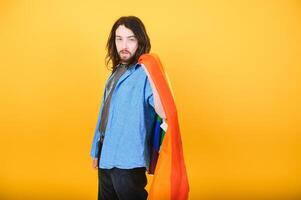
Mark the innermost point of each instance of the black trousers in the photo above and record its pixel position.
(122, 184)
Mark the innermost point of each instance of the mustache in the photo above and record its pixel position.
(124, 51)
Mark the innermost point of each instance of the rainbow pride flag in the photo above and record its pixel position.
(167, 164)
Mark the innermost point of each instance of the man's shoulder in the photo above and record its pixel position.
(140, 70)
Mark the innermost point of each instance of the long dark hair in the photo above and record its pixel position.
(134, 24)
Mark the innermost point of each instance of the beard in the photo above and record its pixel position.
(125, 57)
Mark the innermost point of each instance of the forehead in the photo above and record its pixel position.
(124, 31)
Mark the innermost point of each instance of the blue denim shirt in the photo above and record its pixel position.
(130, 121)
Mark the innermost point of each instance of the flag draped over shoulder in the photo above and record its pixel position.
(167, 164)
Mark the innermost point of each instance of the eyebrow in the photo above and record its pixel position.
(127, 36)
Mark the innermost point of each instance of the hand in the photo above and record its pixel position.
(95, 163)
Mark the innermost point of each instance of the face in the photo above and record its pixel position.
(126, 43)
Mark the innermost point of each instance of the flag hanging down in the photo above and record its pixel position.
(167, 164)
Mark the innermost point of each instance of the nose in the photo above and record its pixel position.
(124, 44)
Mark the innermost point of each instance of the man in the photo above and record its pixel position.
(120, 148)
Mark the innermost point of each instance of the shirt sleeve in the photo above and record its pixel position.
(95, 142)
(149, 97)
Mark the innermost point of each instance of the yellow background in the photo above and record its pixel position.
(235, 71)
